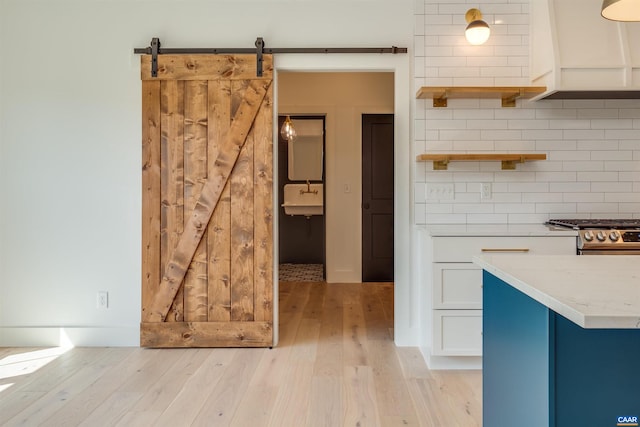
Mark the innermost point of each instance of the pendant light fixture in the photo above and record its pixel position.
(477, 31)
(621, 10)
(287, 130)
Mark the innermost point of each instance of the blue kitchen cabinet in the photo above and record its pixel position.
(540, 369)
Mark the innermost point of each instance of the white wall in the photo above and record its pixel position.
(70, 141)
(343, 97)
(593, 147)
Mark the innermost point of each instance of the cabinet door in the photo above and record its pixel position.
(457, 286)
(457, 333)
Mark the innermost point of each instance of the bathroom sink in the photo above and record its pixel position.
(303, 199)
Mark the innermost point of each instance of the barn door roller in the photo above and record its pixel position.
(154, 50)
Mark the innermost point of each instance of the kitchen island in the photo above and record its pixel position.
(561, 340)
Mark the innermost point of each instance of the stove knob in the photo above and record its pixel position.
(588, 236)
(614, 236)
(601, 236)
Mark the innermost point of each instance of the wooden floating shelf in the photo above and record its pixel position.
(509, 160)
(508, 94)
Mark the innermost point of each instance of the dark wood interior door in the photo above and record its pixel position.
(377, 197)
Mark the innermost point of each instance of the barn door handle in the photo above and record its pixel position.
(365, 205)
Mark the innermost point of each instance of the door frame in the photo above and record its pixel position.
(406, 294)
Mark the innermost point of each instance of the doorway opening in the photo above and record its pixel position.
(301, 223)
(341, 98)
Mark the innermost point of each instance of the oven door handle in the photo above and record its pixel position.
(505, 249)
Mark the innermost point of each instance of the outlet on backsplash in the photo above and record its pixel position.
(485, 190)
(440, 191)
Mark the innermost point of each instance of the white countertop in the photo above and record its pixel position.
(470, 230)
(598, 291)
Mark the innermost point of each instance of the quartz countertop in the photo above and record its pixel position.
(454, 230)
(594, 292)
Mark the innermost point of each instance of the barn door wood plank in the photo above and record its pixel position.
(263, 210)
(219, 229)
(211, 191)
(172, 178)
(195, 174)
(151, 270)
(206, 67)
(241, 181)
(206, 334)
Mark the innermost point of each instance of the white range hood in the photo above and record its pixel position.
(577, 54)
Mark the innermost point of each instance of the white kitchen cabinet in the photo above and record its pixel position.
(452, 286)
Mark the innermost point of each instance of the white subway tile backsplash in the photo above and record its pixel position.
(597, 145)
(460, 135)
(579, 134)
(630, 176)
(569, 155)
(612, 155)
(545, 197)
(613, 187)
(622, 197)
(622, 134)
(570, 187)
(515, 208)
(633, 208)
(439, 208)
(487, 218)
(598, 208)
(583, 197)
(529, 187)
(541, 134)
(475, 208)
(551, 208)
(583, 166)
(599, 176)
(556, 177)
(593, 146)
(555, 113)
(527, 218)
(569, 124)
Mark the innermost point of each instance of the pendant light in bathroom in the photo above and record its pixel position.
(287, 130)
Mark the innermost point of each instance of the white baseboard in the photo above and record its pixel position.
(436, 363)
(78, 336)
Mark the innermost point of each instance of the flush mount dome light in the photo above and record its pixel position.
(287, 131)
(621, 10)
(477, 31)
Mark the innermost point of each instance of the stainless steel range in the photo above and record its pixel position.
(604, 236)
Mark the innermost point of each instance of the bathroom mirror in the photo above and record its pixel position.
(306, 150)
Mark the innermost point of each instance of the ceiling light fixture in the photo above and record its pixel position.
(287, 130)
(621, 10)
(477, 31)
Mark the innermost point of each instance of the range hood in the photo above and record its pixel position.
(577, 54)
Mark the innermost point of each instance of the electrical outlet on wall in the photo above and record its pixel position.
(102, 300)
(485, 190)
(440, 191)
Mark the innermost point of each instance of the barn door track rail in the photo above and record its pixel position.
(154, 50)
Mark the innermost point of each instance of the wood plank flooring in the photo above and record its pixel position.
(335, 365)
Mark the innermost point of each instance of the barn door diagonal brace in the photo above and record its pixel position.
(154, 50)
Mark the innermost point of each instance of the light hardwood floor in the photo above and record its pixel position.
(335, 365)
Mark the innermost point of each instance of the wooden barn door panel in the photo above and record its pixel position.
(207, 202)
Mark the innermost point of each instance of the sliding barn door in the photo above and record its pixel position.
(207, 173)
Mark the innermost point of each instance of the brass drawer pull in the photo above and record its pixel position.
(505, 249)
